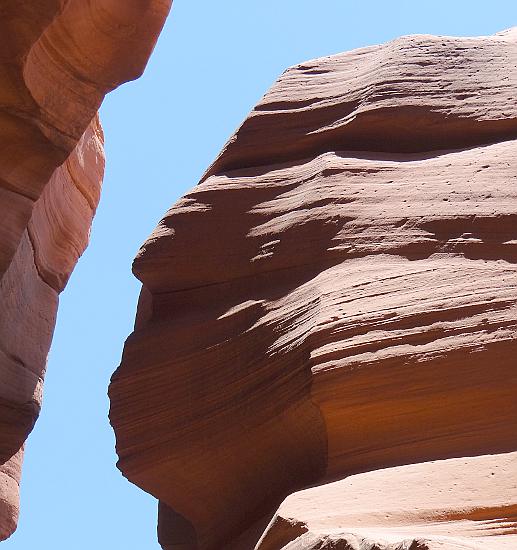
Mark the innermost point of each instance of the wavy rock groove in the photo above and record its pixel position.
(331, 315)
(58, 59)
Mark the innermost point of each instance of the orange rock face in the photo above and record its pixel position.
(335, 306)
(59, 58)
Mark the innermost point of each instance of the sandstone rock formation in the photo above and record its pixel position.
(335, 305)
(58, 60)
(448, 504)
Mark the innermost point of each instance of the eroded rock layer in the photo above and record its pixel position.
(58, 59)
(456, 504)
(338, 296)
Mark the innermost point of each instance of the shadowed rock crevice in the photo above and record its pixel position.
(391, 130)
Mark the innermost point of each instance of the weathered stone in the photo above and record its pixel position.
(338, 296)
(58, 60)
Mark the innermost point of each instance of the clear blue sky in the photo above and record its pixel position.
(214, 60)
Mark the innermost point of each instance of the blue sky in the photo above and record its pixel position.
(214, 60)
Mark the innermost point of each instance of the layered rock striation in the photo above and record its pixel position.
(335, 306)
(58, 60)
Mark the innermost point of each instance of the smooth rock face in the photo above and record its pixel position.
(57, 61)
(335, 305)
(459, 503)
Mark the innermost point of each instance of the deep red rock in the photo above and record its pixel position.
(338, 298)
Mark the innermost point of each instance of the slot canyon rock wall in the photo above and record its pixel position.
(334, 309)
(58, 59)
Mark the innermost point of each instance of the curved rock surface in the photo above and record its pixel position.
(338, 296)
(457, 504)
(58, 60)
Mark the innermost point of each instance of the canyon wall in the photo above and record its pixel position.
(58, 59)
(331, 314)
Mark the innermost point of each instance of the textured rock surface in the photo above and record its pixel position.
(338, 296)
(457, 504)
(58, 60)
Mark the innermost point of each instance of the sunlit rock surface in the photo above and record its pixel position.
(58, 59)
(335, 306)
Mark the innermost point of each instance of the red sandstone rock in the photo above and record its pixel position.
(338, 296)
(58, 60)
(457, 504)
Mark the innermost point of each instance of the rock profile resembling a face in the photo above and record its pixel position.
(334, 306)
